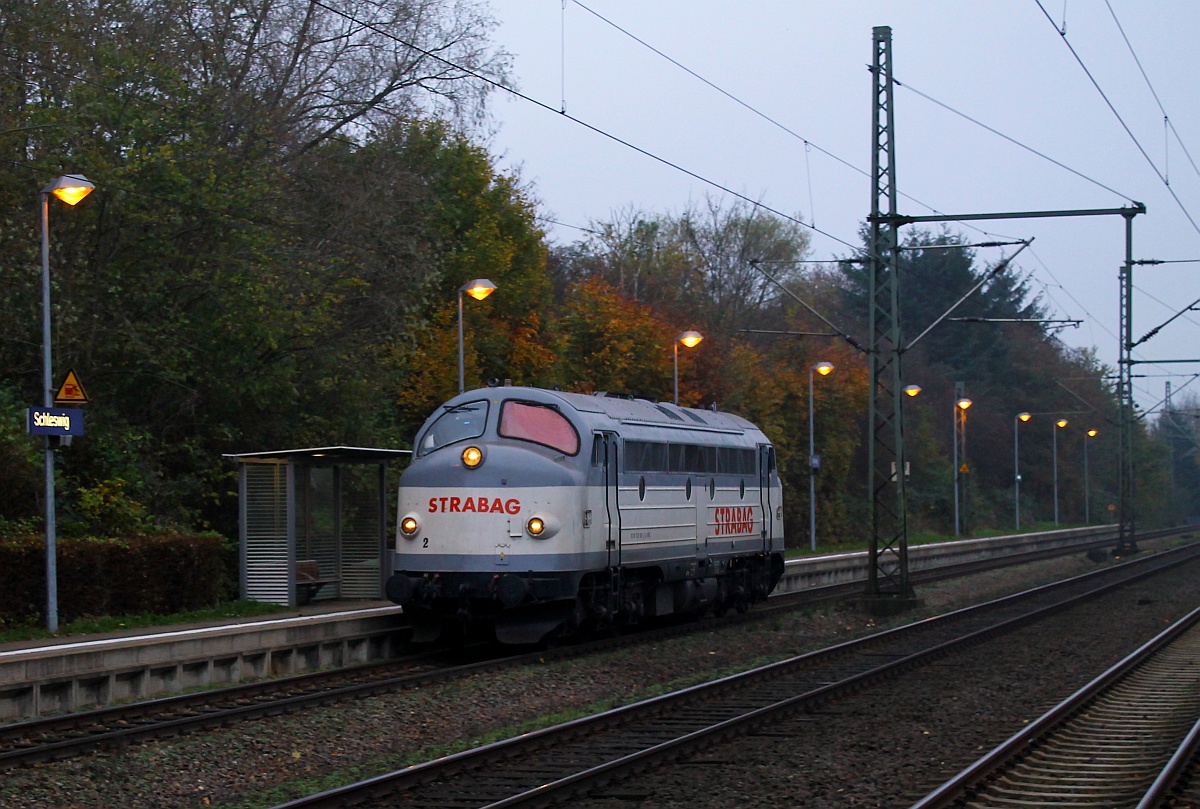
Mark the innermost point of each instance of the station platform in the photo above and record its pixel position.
(45, 676)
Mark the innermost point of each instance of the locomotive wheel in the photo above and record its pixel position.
(721, 608)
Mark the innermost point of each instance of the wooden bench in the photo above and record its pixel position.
(309, 581)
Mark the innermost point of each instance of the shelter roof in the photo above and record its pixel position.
(323, 455)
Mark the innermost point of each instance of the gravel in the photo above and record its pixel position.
(876, 749)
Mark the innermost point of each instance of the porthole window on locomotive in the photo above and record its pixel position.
(742, 490)
(541, 424)
(712, 488)
(687, 489)
(641, 488)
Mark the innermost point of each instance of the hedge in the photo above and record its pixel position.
(159, 574)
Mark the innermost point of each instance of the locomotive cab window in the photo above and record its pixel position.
(540, 424)
(456, 424)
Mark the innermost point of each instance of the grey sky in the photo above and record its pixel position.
(804, 64)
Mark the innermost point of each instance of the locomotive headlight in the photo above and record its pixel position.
(472, 457)
(542, 526)
(408, 526)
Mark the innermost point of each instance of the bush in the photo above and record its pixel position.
(159, 573)
(106, 510)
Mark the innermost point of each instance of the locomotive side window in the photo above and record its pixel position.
(731, 461)
(645, 456)
(700, 460)
(695, 459)
(456, 424)
(540, 424)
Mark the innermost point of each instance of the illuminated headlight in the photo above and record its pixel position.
(543, 526)
(408, 526)
(472, 457)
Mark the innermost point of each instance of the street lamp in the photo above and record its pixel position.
(911, 391)
(960, 435)
(1087, 511)
(70, 188)
(478, 289)
(824, 369)
(691, 339)
(1058, 425)
(1020, 417)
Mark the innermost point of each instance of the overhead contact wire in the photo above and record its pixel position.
(1166, 118)
(807, 143)
(615, 138)
(1012, 140)
(1121, 120)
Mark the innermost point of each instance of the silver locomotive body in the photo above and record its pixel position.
(530, 513)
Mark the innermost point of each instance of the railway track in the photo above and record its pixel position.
(548, 766)
(1124, 740)
(64, 736)
(72, 734)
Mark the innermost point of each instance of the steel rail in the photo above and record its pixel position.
(1172, 774)
(1115, 724)
(559, 760)
(60, 737)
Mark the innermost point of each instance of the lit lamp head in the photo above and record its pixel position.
(1024, 416)
(963, 404)
(691, 339)
(823, 368)
(1060, 423)
(479, 289)
(70, 188)
(1093, 433)
(912, 391)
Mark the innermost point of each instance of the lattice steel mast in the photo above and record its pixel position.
(888, 559)
(1126, 541)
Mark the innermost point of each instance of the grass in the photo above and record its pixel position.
(114, 623)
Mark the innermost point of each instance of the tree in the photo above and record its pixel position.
(704, 265)
(730, 246)
(1178, 431)
(235, 283)
(611, 343)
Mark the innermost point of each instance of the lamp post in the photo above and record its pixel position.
(478, 289)
(70, 189)
(824, 369)
(1087, 510)
(1020, 417)
(1058, 425)
(691, 339)
(960, 435)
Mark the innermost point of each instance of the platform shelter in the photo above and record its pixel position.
(313, 523)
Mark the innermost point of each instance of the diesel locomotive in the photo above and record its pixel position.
(530, 514)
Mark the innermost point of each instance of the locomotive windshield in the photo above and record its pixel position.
(456, 424)
(540, 424)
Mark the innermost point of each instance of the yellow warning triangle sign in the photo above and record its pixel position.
(964, 470)
(71, 391)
